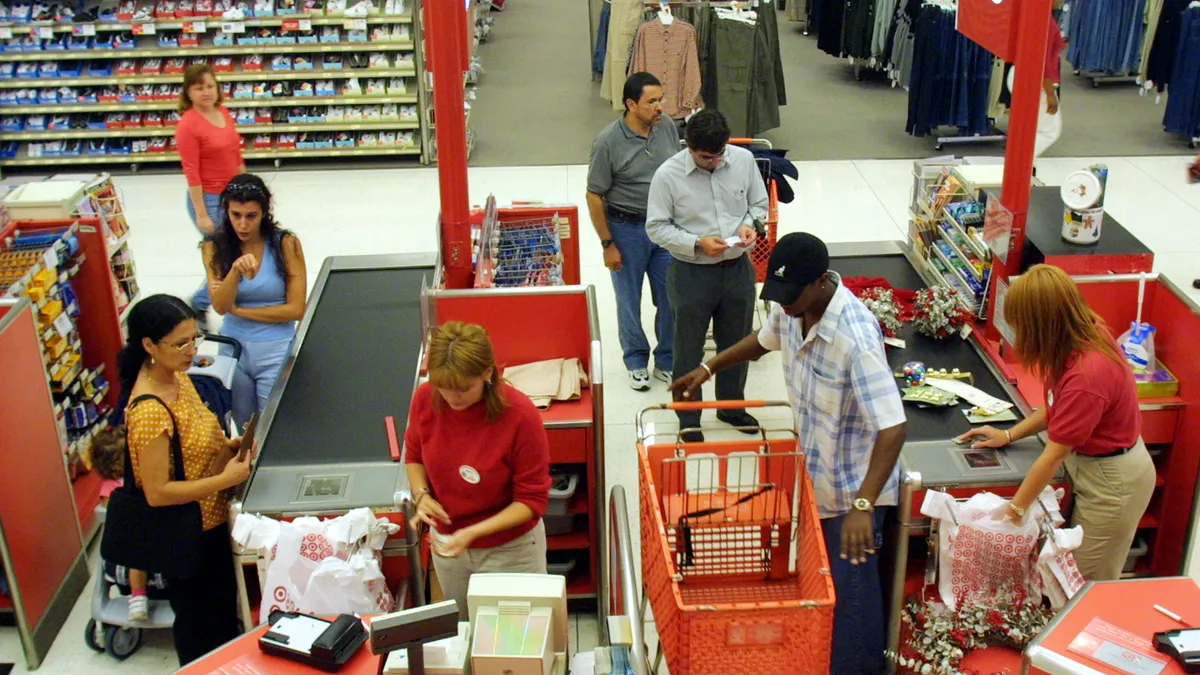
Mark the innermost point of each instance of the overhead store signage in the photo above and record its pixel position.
(991, 24)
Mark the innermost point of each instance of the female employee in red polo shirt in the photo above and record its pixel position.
(478, 464)
(1091, 413)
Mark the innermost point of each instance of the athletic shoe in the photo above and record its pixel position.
(639, 380)
(139, 608)
(662, 375)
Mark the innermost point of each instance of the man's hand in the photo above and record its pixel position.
(458, 542)
(687, 385)
(712, 246)
(1051, 103)
(612, 257)
(858, 536)
(748, 235)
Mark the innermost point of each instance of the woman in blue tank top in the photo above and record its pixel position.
(257, 280)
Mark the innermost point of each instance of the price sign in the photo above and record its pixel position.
(194, 27)
(355, 24)
(143, 29)
(231, 27)
(84, 29)
(63, 325)
(50, 257)
(43, 32)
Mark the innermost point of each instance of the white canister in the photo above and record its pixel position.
(1082, 226)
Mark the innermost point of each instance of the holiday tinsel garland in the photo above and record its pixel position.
(936, 312)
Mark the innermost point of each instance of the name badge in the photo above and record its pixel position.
(469, 474)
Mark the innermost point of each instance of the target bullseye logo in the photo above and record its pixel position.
(280, 593)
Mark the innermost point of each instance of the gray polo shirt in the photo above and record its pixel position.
(687, 202)
(623, 162)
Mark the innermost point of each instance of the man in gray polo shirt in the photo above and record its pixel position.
(624, 158)
(702, 208)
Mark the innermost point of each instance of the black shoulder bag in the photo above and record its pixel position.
(155, 539)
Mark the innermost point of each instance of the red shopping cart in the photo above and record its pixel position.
(733, 561)
(761, 253)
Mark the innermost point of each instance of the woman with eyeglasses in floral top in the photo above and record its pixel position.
(257, 280)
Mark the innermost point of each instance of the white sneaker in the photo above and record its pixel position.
(639, 380)
(663, 375)
(139, 608)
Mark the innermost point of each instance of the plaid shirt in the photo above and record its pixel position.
(842, 393)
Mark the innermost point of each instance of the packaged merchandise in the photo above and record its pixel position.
(303, 89)
(335, 113)
(281, 62)
(387, 139)
(262, 116)
(158, 144)
(372, 113)
(390, 112)
(151, 67)
(332, 62)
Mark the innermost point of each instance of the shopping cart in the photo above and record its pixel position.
(760, 255)
(733, 560)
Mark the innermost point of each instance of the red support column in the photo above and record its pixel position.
(1030, 64)
(445, 56)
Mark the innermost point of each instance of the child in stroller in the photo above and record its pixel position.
(108, 459)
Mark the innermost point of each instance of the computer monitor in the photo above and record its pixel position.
(539, 590)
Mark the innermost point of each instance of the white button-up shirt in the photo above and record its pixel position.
(842, 393)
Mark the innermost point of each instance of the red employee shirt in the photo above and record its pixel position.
(211, 156)
(477, 468)
(1093, 408)
(1054, 53)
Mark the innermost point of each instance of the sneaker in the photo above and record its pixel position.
(662, 375)
(639, 380)
(139, 608)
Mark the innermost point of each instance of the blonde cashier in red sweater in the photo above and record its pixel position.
(478, 464)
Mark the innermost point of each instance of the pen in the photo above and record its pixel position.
(1171, 615)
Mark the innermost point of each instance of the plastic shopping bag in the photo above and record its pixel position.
(1056, 565)
(981, 555)
(321, 567)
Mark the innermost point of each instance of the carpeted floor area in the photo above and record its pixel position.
(537, 104)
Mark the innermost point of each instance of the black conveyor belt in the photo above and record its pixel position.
(925, 424)
(356, 366)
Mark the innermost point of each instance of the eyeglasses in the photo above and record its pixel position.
(185, 345)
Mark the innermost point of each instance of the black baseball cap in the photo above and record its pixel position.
(797, 260)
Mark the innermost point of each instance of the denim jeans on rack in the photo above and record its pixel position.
(1182, 115)
(601, 49)
(641, 258)
(859, 636)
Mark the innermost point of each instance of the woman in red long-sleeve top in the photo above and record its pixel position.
(210, 150)
(478, 464)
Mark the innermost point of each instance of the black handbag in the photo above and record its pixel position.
(155, 539)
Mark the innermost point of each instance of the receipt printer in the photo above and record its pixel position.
(1184, 645)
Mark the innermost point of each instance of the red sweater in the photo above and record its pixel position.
(477, 468)
(211, 156)
(1094, 405)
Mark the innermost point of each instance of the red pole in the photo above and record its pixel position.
(445, 55)
(1030, 65)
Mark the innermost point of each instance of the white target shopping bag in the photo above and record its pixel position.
(1056, 565)
(321, 567)
(979, 554)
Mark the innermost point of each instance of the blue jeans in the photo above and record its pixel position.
(212, 203)
(858, 624)
(256, 373)
(641, 257)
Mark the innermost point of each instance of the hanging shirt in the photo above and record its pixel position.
(1054, 48)
(668, 52)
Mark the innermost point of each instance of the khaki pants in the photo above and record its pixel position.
(1111, 494)
(525, 554)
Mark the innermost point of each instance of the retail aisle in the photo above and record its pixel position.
(537, 69)
(351, 212)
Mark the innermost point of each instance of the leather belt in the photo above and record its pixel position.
(623, 213)
(734, 262)
(1115, 453)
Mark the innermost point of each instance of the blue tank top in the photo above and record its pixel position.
(267, 289)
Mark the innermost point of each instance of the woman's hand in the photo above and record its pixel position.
(989, 437)
(1006, 512)
(430, 512)
(238, 469)
(246, 266)
(205, 223)
(458, 543)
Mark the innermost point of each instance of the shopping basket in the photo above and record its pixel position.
(733, 560)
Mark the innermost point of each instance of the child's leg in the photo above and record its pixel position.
(139, 603)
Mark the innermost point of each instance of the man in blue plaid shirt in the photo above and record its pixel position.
(850, 420)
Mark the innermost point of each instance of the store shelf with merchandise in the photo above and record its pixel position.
(321, 84)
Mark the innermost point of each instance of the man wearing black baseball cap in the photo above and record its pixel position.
(850, 421)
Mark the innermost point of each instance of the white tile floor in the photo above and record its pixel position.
(372, 211)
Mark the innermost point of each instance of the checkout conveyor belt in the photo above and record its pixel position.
(323, 442)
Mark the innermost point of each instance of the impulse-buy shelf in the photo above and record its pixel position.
(143, 132)
(275, 101)
(177, 24)
(238, 76)
(146, 157)
(188, 52)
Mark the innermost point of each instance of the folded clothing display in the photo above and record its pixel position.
(547, 381)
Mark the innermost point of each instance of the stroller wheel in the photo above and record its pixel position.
(92, 637)
(120, 642)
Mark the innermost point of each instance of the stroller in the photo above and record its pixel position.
(109, 629)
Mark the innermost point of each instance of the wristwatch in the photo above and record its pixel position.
(605, 243)
(1020, 512)
(863, 504)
